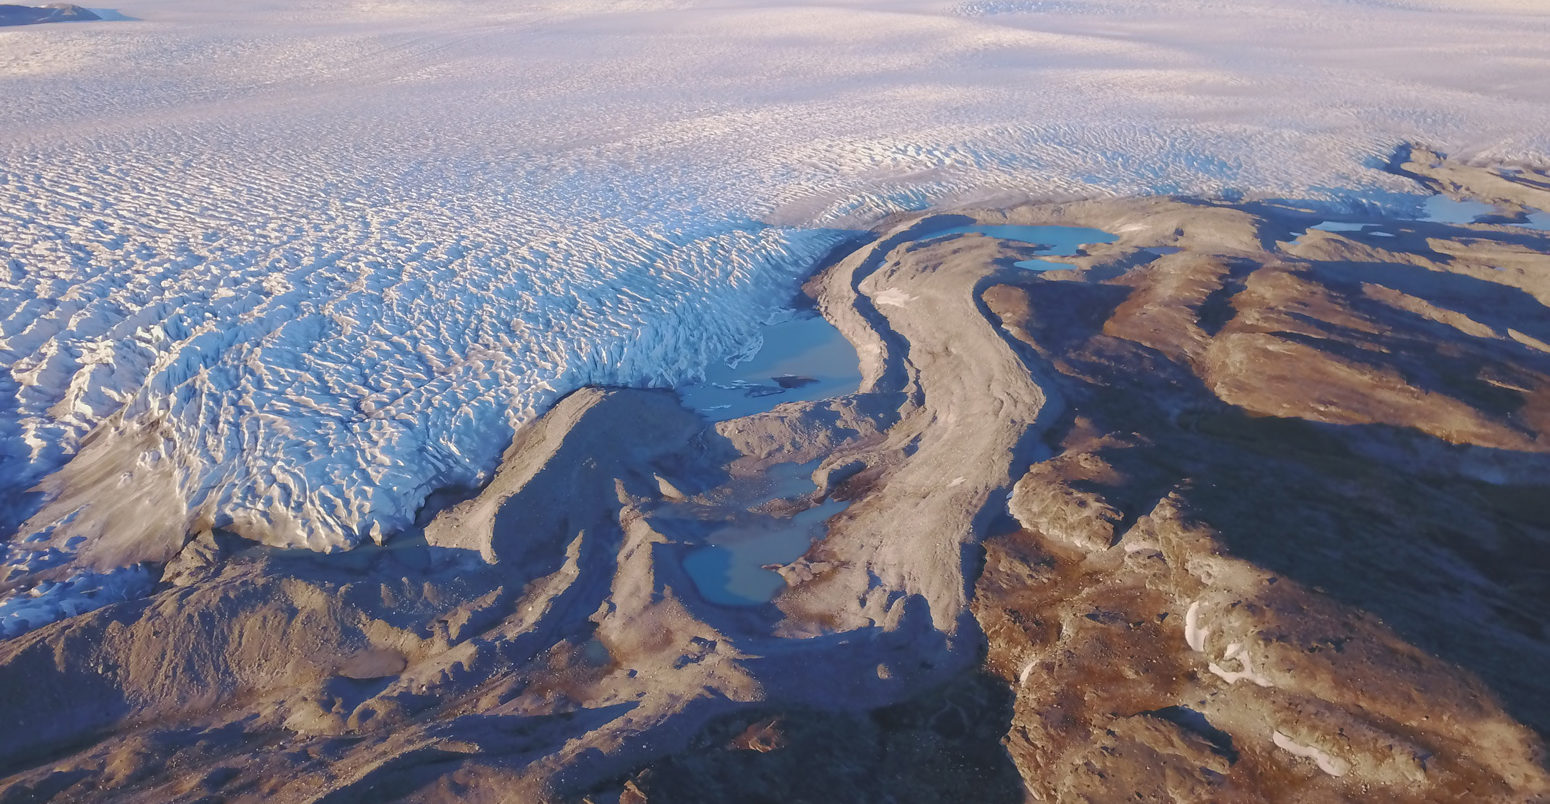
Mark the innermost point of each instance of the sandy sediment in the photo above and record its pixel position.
(1232, 509)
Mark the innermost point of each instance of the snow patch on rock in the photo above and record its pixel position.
(1194, 634)
(1330, 764)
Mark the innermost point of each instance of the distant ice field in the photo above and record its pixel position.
(289, 266)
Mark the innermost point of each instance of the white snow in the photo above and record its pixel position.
(292, 264)
(1194, 634)
(1332, 765)
(1238, 653)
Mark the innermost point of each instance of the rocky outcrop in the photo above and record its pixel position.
(1285, 550)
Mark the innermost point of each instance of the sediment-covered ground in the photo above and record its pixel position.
(1236, 508)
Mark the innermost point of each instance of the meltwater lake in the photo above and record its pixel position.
(803, 359)
(1054, 241)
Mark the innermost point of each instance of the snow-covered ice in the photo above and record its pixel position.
(287, 266)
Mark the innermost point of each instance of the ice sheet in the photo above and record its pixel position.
(287, 266)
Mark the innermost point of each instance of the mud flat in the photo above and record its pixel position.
(1232, 507)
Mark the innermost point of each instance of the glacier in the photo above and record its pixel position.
(287, 267)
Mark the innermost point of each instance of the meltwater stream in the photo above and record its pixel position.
(805, 358)
(798, 359)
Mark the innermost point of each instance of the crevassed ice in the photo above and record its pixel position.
(48, 601)
(303, 393)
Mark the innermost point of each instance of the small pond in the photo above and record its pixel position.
(729, 569)
(1055, 241)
